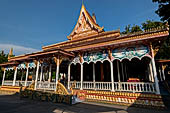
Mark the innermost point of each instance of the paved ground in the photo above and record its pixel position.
(13, 104)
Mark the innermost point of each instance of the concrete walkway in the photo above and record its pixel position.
(13, 104)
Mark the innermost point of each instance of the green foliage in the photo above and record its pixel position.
(164, 51)
(145, 26)
(164, 9)
(164, 12)
(135, 28)
(129, 29)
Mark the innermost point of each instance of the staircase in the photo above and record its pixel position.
(9, 89)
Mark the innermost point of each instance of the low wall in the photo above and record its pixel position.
(46, 96)
(121, 98)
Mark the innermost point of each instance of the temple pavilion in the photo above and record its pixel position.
(92, 59)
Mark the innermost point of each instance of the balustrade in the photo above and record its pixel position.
(8, 83)
(118, 86)
(135, 87)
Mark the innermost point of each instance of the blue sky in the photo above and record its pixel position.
(27, 25)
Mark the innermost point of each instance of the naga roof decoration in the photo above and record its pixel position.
(85, 25)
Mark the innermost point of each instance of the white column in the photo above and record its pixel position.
(15, 75)
(81, 87)
(163, 73)
(36, 76)
(155, 76)
(3, 77)
(49, 79)
(26, 78)
(69, 66)
(112, 78)
(41, 74)
(151, 71)
(94, 74)
(160, 73)
(57, 72)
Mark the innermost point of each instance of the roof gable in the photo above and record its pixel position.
(85, 25)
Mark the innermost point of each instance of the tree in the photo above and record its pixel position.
(3, 58)
(164, 12)
(135, 28)
(152, 24)
(127, 30)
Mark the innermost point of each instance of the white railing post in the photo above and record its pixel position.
(112, 77)
(36, 78)
(26, 78)
(81, 87)
(94, 74)
(15, 75)
(3, 77)
(69, 66)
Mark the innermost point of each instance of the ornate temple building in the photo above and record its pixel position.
(94, 62)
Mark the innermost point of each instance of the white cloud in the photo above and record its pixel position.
(17, 49)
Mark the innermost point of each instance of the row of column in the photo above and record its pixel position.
(153, 76)
(37, 73)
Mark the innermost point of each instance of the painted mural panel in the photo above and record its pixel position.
(95, 56)
(130, 52)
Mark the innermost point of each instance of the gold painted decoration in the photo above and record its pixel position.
(61, 89)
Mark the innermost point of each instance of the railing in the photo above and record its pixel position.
(46, 85)
(76, 84)
(135, 87)
(88, 85)
(8, 82)
(28, 83)
(103, 85)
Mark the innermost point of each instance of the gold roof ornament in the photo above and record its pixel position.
(85, 24)
(10, 53)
